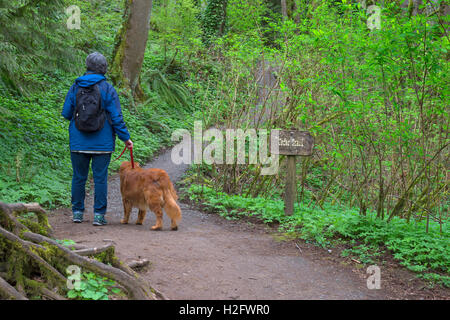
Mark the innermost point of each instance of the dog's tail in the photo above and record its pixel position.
(170, 203)
(173, 191)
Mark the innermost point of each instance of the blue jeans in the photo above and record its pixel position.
(80, 165)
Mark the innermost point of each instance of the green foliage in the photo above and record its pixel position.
(214, 19)
(34, 137)
(365, 253)
(26, 44)
(176, 26)
(34, 39)
(434, 278)
(65, 242)
(375, 101)
(172, 92)
(174, 45)
(94, 287)
(100, 22)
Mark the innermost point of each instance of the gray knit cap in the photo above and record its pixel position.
(96, 62)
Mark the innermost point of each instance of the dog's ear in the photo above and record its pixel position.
(125, 165)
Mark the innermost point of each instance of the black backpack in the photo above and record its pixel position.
(89, 115)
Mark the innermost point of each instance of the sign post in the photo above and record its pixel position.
(293, 143)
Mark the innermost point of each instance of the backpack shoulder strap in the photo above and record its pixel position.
(75, 93)
(96, 88)
(108, 116)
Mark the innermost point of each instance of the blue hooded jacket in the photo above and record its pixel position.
(104, 139)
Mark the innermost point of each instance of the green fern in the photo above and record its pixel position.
(172, 92)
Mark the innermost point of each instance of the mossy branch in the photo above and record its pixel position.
(94, 251)
(9, 292)
(31, 257)
(136, 288)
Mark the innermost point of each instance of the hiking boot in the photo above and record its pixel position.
(77, 217)
(99, 220)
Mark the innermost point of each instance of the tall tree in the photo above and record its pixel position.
(130, 46)
(284, 9)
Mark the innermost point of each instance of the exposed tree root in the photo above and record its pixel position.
(132, 284)
(93, 251)
(33, 265)
(137, 264)
(8, 221)
(52, 295)
(8, 291)
(76, 247)
(30, 249)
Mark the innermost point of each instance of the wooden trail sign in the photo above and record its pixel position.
(293, 143)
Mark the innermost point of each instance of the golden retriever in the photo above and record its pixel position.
(148, 189)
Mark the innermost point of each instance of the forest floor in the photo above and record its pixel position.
(210, 257)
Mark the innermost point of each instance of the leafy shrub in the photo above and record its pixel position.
(93, 287)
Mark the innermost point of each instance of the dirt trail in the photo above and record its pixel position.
(213, 258)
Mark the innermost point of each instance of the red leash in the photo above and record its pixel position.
(131, 155)
(132, 159)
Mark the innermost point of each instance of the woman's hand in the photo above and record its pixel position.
(129, 144)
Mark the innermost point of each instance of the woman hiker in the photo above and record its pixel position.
(93, 108)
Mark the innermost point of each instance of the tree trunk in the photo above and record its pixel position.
(130, 45)
(295, 12)
(284, 9)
